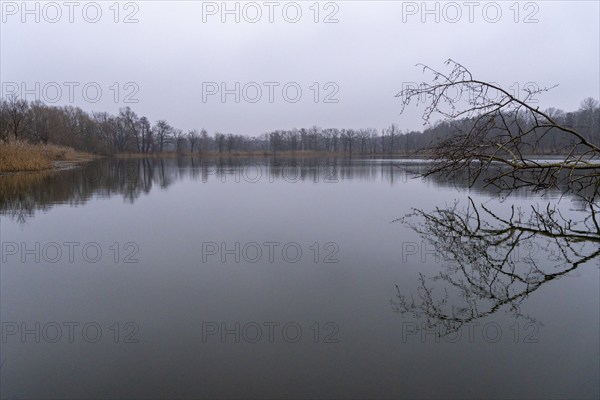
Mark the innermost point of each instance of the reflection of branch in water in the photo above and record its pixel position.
(484, 269)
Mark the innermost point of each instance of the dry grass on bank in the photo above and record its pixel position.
(22, 156)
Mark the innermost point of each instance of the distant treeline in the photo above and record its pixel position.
(104, 133)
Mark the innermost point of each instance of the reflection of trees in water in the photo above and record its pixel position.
(300, 169)
(22, 194)
(494, 260)
(494, 136)
(15, 198)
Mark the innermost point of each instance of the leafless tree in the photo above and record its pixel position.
(178, 139)
(193, 139)
(162, 132)
(204, 141)
(14, 112)
(313, 133)
(220, 139)
(498, 131)
(482, 249)
(132, 124)
(348, 135)
(146, 134)
(589, 108)
(392, 132)
(38, 122)
(230, 141)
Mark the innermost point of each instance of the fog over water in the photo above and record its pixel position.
(299, 199)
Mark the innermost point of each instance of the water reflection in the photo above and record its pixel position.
(494, 260)
(22, 194)
(172, 292)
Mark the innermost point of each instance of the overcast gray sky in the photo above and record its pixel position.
(180, 52)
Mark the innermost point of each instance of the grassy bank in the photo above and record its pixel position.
(23, 156)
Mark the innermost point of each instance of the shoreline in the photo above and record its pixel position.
(36, 158)
(57, 166)
(22, 157)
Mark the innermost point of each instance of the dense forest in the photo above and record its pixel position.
(104, 133)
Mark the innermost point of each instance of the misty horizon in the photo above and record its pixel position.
(167, 61)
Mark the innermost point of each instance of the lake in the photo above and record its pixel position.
(287, 277)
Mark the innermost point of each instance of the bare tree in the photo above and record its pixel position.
(193, 139)
(204, 141)
(107, 129)
(364, 136)
(349, 135)
(392, 132)
(590, 108)
(220, 139)
(313, 135)
(498, 131)
(15, 111)
(495, 132)
(178, 139)
(38, 122)
(132, 125)
(146, 134)
(162, 132)
(230, 142)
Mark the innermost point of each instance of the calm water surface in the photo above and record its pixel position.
(282, 278)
